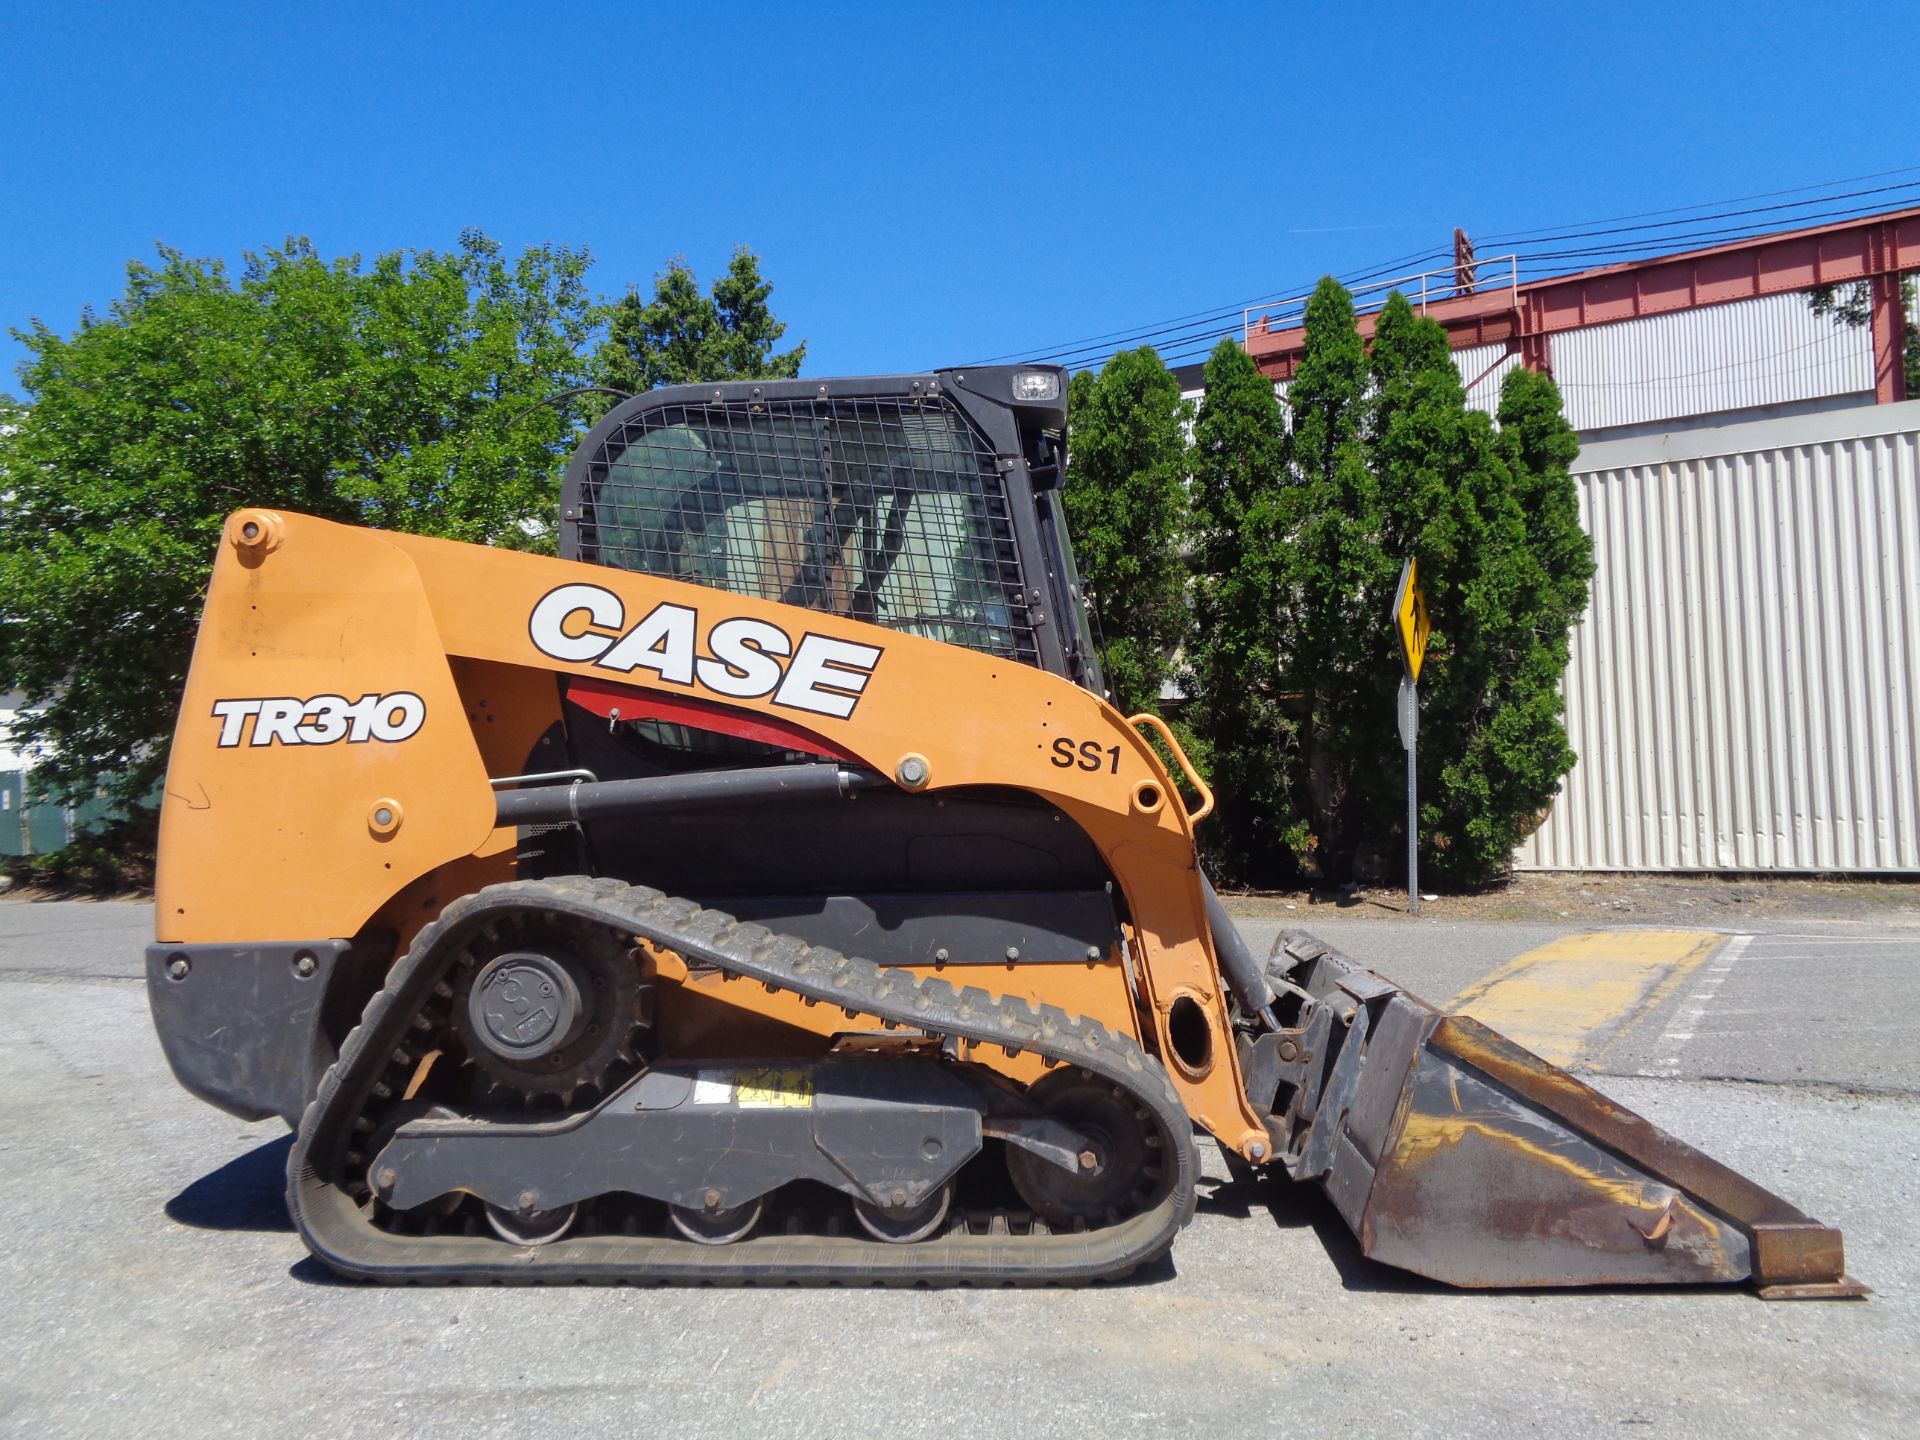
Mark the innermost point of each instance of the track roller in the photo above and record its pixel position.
(902, 1225)
(717, 1227)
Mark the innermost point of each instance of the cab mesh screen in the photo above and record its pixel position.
(889, 511)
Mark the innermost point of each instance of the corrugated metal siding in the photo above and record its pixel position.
(1701, 362)
(1742, 690)
(1487, 364)
(1482, 368)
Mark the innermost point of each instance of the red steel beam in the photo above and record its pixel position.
(1525, 317)
(1889, 315)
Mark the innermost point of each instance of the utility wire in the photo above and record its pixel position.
(1162, 327)
(1182, 337)
(1211, 325)
(1724, 215)
(1702, 205)
(1689, 239)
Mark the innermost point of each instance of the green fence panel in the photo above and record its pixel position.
(13, 796)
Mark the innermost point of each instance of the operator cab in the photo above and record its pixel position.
(928, 504)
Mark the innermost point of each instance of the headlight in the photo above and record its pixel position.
(1036, 385)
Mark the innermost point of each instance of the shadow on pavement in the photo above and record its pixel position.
(309, 1271)
(1295, 1207)
(247, 1193)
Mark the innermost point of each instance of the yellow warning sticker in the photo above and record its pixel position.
(773, 1089)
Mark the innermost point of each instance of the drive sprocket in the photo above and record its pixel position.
(550, 1010)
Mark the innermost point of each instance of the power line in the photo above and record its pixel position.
(1211, 325)
(1702, 205)
(1736, 232)
(1092, 344)
(1186, 336)
(1540, 265)
(1724, 215)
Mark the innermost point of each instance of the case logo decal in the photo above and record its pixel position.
(323, 720)
(742, 658)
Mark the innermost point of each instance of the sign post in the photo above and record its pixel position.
(1410, 620)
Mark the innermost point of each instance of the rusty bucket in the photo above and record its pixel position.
(1454, 1153)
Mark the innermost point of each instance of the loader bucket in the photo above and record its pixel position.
(1452, 1152)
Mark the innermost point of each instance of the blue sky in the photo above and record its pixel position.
(926, 185)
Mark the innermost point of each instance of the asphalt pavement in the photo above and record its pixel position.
(150, 1282)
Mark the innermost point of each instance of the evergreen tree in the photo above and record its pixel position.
(1534, 592)
(1340, 585)
(1540, 448)
(1448, 503)
(1491, 518)
(1125, 501)
(1241, 569)
(681, 337)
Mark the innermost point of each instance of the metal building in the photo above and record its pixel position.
(1743, 689)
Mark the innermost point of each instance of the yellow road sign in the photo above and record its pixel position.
(1410, 617)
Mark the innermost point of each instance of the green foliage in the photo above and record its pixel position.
(1298, 539)
(1125, 501)
(1241, 554)
(1516, 747)
(115, 859)
(422, 392)
(1389, 462)
(681, 337)
(1505, 565)
(401, 394)
(1851, 306)
(1331, 602)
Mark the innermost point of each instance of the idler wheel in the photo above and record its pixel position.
(401, 1114)
(1121, 1169)
(717, 1227)
(904, 1224)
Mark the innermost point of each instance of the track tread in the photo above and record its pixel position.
(337, 1232)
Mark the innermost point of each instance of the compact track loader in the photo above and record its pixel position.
(764, 891)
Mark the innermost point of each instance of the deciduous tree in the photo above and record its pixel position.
(401, 393)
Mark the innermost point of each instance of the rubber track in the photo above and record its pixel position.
(339, 1233)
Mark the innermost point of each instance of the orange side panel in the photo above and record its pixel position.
(279, 840)
(276, 835)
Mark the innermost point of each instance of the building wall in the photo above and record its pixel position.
(22, 822)
(1742, 690)
(1752, 359)
(30, 823)
(1703, 362)
(1694, 367)
(11, 756)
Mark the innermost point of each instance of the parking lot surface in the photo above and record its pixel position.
(151, 1284)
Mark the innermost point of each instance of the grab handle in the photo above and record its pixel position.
(1186, 765)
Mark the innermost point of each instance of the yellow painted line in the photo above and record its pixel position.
(1569, 1000)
